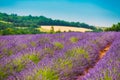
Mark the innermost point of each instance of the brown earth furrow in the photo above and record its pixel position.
(101, 55)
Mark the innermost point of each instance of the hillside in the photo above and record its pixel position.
(36, 21)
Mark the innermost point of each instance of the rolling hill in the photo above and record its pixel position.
(36, 21)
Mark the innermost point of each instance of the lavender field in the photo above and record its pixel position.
(62, 56)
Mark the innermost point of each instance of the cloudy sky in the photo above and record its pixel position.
(93, 12)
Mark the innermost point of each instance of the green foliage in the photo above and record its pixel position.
(10, 69)
(36, 21)
(13, 31)
(5, 25)
(76, 52)
(33, 43)
(106, 76)
(3, 74)
(63, 63)
(10, 52)
(58, 45)
(21, 62)
(48, 51)
(29, 78)
(14, 24)
(44, 40)
(34, 58)
(52, 30)
(31, 57)
(19, 65)
(115, 27)
(69, 31)
(96, 30)
(58, 31)
(7, 51)
(46, 74)
(74, 39)
(8, 31)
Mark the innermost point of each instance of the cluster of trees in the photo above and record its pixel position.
(115, 27)
(13, 31)
(9, 29)
(36, 21)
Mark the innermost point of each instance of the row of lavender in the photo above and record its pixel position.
(108, 68)
(61, 56)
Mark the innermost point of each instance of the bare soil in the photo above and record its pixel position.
(102, 53)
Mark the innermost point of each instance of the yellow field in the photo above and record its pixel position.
(63, 28)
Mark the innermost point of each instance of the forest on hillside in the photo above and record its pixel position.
(11, 24)
(36, 21)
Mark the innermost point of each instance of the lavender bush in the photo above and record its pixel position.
(63, 56)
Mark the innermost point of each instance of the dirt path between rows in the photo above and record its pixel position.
(101, 55)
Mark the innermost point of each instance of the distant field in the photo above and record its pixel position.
(5, 22)
(63, 28)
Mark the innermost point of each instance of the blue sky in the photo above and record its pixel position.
(93, 12)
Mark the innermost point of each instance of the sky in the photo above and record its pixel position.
(103, 13)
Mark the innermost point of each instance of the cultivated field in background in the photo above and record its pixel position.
(63, 28)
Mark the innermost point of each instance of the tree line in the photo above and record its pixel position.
(115, 27)
(36, 21)
(9, 29)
